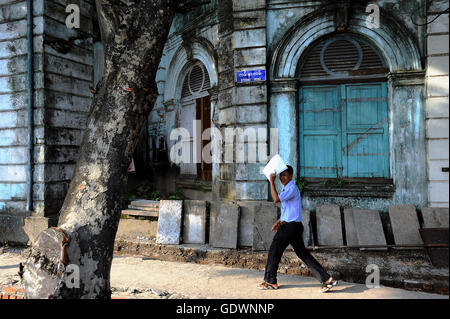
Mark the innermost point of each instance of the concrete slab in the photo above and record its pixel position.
(139, 212)
(214, 208)
(135, 229)
(264, 219)
(225, 229)
(144, 203)
(306, 221)
(329, 229)
(169, 222)
(145, 209)
(369, 229)
(350, 229)
(435, 217)
(405, 225)
(246, 222)
(12, 228)
(194, 221)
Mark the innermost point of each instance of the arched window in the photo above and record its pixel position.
(196, 105)
(196, 82)
(343, 124)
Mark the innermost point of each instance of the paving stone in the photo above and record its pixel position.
(369, 229)
(329, 229)
(435, 217)
(194, 221)
(264, 218)
(224, 221)
(169, 222)
(405, 225)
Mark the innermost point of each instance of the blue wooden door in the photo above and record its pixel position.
(344, 131)
(320, 131)
(365, 130)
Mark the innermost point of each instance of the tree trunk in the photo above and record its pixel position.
(133, 37)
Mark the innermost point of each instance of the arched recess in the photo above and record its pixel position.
(405, 97)
(198, 49)
(192, 54)
(392, 39)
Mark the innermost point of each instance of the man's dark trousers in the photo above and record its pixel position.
(291, 233)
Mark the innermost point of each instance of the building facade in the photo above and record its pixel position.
(358, 94)
(352, 94)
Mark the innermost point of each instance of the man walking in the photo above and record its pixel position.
(289, 230)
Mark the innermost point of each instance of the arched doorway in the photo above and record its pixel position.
(343, 116)
(397, 50)
(195, 108)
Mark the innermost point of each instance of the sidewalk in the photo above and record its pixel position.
(137, 277)
(216, 281)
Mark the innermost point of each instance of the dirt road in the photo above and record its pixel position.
(136, 277)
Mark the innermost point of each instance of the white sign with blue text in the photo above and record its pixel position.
(250, 76)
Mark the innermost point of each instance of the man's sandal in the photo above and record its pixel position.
(267, 286)
(327, 286)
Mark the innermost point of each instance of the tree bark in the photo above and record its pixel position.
(133, 36)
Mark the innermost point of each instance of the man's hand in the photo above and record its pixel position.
(272, 177)
(273, 191)
(276, 225)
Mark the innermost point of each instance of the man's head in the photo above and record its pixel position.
(286, 175)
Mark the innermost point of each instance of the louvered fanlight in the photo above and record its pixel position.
(341, 56)
(196, 81)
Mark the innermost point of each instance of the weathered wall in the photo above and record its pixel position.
(245, 36)
(242, 105)
(189, 33)
(282, 15)
(291, 27)
(68, 73)
(437, 105)
(235, 31)
(13, 105)
(63, 62)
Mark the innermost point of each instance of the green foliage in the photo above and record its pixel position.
(155, 195)
(176, 195)
(326, 182)
(130, 197)
(301, 182)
